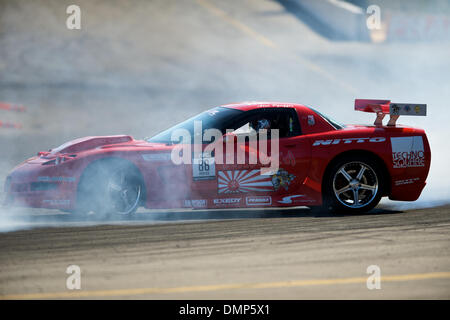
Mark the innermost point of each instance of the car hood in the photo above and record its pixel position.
(87, 143)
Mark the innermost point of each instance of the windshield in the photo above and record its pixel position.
(216, 118)
(334, 123)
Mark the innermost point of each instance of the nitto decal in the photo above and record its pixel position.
(258, 200)
(227, 201)
(243, 181)
(290, 199)
(347, 141)
(408, 152)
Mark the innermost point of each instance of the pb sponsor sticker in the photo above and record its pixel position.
(408, 152)
(258, 201)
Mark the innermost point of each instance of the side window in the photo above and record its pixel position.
(283, 119)
(287, 122)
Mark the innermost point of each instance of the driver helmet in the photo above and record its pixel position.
(263, 124)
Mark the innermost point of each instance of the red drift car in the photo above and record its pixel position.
(346, 168)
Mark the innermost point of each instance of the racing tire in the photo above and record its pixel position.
(354, 184)
(110, 187)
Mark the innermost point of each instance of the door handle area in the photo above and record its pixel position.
(290, 146)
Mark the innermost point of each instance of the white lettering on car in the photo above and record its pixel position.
(227, 200)
(290, 199)
(408, 152)
(347, 141)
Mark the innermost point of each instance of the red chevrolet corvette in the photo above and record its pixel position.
(319, 162)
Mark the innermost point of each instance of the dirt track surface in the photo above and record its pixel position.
(280, 254)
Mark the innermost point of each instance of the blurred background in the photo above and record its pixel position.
(138, 67)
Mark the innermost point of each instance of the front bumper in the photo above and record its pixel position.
(32, 184)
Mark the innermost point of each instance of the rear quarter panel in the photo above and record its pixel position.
(405, 182)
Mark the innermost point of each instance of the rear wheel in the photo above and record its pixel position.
(110, 187)
(354, 184)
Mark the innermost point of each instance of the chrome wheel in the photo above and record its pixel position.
(123, 192)
(355, 184)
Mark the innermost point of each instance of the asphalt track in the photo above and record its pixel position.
(271, 254)
(137, 69)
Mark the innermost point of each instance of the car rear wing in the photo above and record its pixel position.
(395, 110)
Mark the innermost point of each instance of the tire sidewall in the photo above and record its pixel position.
(330, 200)
(92, 190)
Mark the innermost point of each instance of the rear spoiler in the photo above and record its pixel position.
(395, 110)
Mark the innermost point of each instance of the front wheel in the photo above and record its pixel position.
(110, 187)
(353, 185)
(122, 193)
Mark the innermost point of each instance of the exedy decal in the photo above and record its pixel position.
(347, 141)
(227, 201)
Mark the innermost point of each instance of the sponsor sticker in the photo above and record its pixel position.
(198, 203)
(282, 179)
(156, 156)
(291, 199)
(204, 168)
(227, 201)
(56, 202)
(347, 141)
(408, 152)
(402, 109)
(55, 179)
(195, 203)
(239, 181)
(258, 200)
(406, 181)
